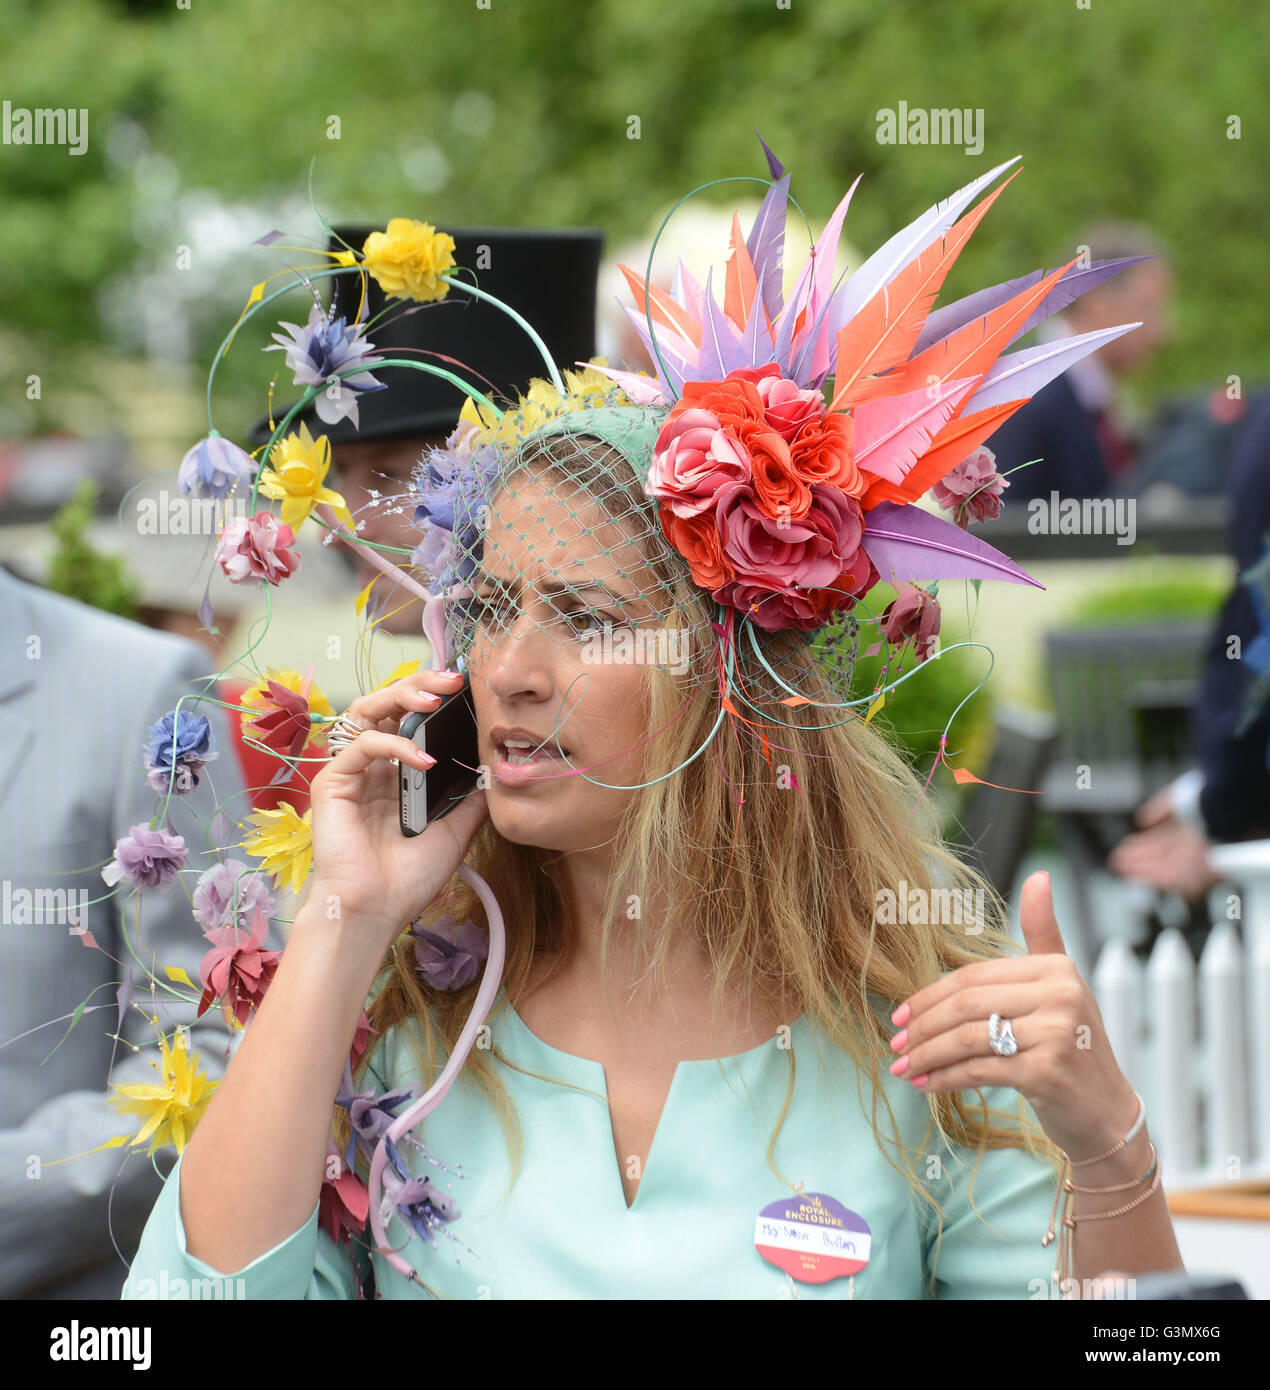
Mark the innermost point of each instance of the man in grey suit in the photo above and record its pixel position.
(79, 690)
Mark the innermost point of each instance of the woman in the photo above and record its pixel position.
(710, 1037)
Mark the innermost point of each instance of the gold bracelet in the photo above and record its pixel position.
(1070, 1186)
(1065, 1188)
(1069, 1225)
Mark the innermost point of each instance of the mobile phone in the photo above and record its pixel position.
(447, 733)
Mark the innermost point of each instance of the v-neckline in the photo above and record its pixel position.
(584, 1071)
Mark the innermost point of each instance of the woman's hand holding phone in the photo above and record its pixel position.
(363, 866)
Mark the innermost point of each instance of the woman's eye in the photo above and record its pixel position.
(590, 620)
(487, 608)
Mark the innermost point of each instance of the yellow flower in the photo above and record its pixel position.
(296, 472)
(172, 1107)
(284, 841)
(541, 403)
(407, 259)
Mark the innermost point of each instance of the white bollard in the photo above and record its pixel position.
(1227, 1130)
(1171, 1008)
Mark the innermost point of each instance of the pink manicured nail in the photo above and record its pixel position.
(899, 1066)
(900, 1016)
(919, 1080)
(898, 1041)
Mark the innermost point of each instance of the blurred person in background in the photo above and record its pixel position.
(548, 276)
(1227, 795)
(1074, 428)
(80, 691)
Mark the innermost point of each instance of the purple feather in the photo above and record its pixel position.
(909, 544)
(756, 332)
(722, 348)
(676, 364)
(1076, 282)
(1020, 375)
(789, 317)
(766, 245)
(774, 164)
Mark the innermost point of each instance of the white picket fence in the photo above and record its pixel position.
(1195, 1042)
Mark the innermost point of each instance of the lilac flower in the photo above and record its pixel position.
(422, 1205)
(215, 466)
(453, 487)
(323, 347)
(371, 1115)
(230, 894)
(180, 740)
(433, 553)
(148, 858)
(448, 956)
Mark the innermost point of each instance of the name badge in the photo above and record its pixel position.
(812, 1237)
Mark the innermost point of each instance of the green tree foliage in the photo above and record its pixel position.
(518, 114)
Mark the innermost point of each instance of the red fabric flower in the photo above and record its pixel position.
(283, 722)
(915, 614)
(238, 969)
(344, 1202)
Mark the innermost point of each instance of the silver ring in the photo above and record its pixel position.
(1001, 1037)
(341, 733)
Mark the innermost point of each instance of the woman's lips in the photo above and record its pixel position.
(542, 763)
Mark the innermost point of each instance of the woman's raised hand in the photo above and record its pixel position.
(365, 871)
(1064, 1064)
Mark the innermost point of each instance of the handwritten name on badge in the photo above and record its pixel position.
(812, 1237)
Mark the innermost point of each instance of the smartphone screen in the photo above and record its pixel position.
(448, 734)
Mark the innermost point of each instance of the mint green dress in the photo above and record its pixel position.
(564, 1229)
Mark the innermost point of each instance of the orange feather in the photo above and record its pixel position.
(741, 280)
(972, 350)
(664, 309)
(957, 440)
(882, 334)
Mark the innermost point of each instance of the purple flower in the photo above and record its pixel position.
(215, 466)
(452, 488)
(448, 956)
(230, 894)
(422, 1204)
(371, 1115)
(176, 749)
(148, 858)
(433, 553)
(323, 347)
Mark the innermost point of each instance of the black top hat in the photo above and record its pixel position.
(548, 277)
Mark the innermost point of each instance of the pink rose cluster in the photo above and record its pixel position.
(759, 492)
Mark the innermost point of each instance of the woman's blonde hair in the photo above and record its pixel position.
(800, 925)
